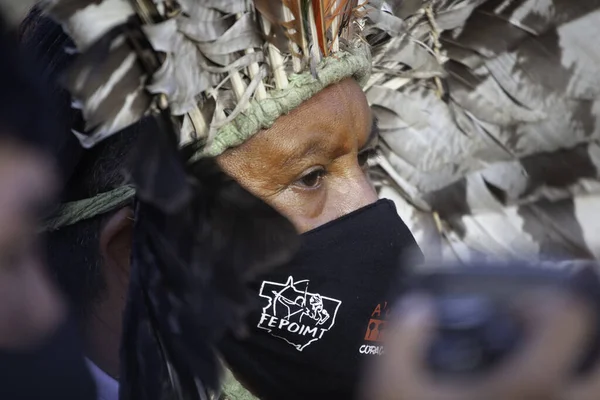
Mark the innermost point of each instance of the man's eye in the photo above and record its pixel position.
(365, 155)
(312, 179)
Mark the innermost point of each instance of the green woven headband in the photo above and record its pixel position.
(354, 62)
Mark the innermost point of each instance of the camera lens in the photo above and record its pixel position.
(455, 354)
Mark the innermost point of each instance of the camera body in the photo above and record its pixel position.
(477, 324)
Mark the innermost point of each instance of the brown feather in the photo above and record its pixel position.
(341, 14)
(333, 14)
(350, 7)
(296, 25)
(319, 13)
(295, 6)
(272, 11)
(283, 27)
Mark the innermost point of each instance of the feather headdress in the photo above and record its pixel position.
(489, 111)
(228, 68)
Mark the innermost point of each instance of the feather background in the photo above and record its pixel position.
(489, 117)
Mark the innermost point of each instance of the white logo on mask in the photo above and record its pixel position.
(294, 314)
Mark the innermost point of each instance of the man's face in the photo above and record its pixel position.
(310, 164)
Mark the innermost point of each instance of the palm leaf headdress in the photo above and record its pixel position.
(229, 68)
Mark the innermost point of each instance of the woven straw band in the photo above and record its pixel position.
(354, 62)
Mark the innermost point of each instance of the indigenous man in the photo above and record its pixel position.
(296, 131)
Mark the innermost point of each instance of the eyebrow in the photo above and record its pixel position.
(315, 146)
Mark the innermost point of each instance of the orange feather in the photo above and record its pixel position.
(319, 13)
(296, 24)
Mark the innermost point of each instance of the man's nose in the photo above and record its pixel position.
(358, 192)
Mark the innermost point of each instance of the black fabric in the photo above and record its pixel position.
(351, 263)
(54, 370)
(188, 284)
(26, 111)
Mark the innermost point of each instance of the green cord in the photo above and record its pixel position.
(75, 211)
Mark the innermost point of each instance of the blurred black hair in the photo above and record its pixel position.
(25, 112)
(73, 251)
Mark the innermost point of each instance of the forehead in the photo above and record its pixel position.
(333, 122)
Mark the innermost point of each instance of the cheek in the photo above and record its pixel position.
(304, 209)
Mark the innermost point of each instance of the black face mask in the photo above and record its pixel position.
(323, 315)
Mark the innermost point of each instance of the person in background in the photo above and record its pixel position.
(40, 354)
(558, 328)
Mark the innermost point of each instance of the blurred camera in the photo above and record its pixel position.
(477, 324)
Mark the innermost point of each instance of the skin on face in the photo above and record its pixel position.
(310, 166)
(30, 306)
